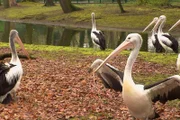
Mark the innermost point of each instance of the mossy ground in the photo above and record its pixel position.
(107, 15)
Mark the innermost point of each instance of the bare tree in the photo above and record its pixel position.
(6, 3)
(120, 6)
(67, 6)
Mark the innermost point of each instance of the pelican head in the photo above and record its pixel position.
(154, 21)
(176, 24)
(92, 14)
(162, 18)
(161, 21)
(132, 41)
(14, 37)
(95, 65)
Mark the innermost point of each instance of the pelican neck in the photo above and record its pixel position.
(14, 56)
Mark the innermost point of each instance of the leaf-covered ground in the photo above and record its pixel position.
(57, 86)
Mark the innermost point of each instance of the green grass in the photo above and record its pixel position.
(136, 17)
(28, 10)
(163, 59)
(168, 58)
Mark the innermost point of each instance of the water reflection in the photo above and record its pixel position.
(60, 36)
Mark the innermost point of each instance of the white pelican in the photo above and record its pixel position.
(178, 62)
(110, 76)
(97, 36)
(176, 24)
(139, 98)
(11, 73)
(153, 37)
(167, 41)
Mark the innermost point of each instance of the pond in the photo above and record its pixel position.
(61, 36)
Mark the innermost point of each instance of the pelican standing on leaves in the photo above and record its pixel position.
(97, 36)
(110, 76)
(139, 98)
(167, 41)
(11, 73)
(154, 37)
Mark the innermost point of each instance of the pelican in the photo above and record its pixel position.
(110, 76)
(178, 62)
(176, 24)
(139, 98)
(97, 36)
(153, 37)
(11, 73)
(167, 41)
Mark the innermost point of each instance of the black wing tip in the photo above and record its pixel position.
(156, 115)
(154, 84)
(102, 48)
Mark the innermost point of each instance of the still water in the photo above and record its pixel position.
(62, 36)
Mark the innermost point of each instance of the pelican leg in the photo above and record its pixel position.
(7, 100)
(13, 93)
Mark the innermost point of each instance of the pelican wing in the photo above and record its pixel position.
(4, 68)
(113, 81)
(119, 73)
(168, 89)
(173, 41)
(5, 86)
(102, 41)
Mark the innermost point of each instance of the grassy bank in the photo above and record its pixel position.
(107, 15)
(149, 61)
(157, 58)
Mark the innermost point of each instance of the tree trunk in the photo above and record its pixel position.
(6, 3)
(89, 38)
(67, 37)
(122, 38)
(120, 6)
(67, 7)
(5, 35)
(49, 35)
(145, 42)
(81, 40)
(49, 3)
(29, 32)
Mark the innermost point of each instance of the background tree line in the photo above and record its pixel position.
(67, 6)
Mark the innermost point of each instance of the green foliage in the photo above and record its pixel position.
(137, 17)
(154, 2)
(142, 2)
(169, 58)
(159, 2)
